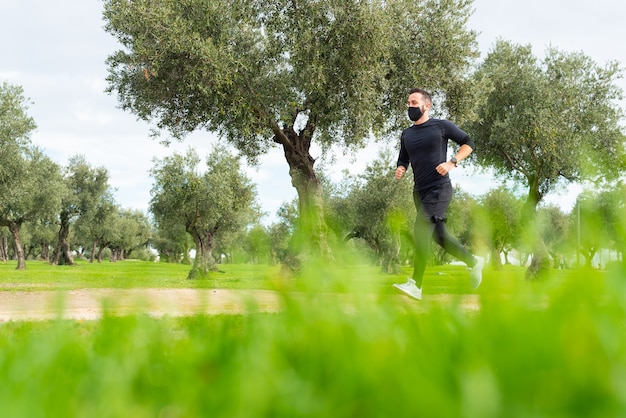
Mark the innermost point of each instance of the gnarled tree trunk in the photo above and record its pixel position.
(62, 254)
(540, 263)
(14, 227)
(100, 251)
(204, 261)
(310, 238)
(92, 255)
(4, 249)
(496, 261)
(45, 251)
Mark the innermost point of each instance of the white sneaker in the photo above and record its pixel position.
(476, 275)
(410, 289)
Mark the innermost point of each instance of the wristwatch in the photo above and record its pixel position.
(454, 161)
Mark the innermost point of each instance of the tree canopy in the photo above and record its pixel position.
(545, 121)
(15, 130)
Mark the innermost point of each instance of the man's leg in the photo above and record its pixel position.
(423, 235)
(452, 245)
(448, 242)
(438, 202)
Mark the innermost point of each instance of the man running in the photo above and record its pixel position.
(424, 145)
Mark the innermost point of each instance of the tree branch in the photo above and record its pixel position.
(280, 136)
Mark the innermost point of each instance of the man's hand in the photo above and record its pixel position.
(445, 168)
(399, 172)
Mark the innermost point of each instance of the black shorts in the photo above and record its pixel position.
(432, 203)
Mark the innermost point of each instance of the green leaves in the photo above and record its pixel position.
(15, 129)
(29, 181)
(15, 124)
(541, 121)
(246, 68)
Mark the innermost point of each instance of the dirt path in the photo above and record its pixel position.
(90, 304)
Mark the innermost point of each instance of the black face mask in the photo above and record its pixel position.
(415, 113)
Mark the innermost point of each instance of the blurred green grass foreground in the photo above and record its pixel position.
(521, 349)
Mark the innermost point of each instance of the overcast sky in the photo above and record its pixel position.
(56, 50)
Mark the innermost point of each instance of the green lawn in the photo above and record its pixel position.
(353, 278)
(555, 348)
(127, 274)
(131, 274)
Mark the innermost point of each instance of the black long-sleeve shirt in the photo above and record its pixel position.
(425, 146)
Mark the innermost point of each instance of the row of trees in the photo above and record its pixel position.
(289, 74)
(213, 207)
(71, 210)
(48, 198)
(373, 215)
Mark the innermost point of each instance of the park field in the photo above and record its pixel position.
(338, 343)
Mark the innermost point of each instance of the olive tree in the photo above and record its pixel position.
(34, 195)
(172, 244)
(590, 229)
(612, 210)
(132, 232)
(15, 129)
(378, 210)
(30, 182)
(554, 226)
(205, 204)
(95, 229)
(286, 73)
(43, 234)
(84, 188)
(545, 123)
(502, 210)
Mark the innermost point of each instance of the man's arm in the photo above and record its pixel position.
(403, 161)
(463, 152)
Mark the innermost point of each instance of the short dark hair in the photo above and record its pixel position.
(423, 92)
